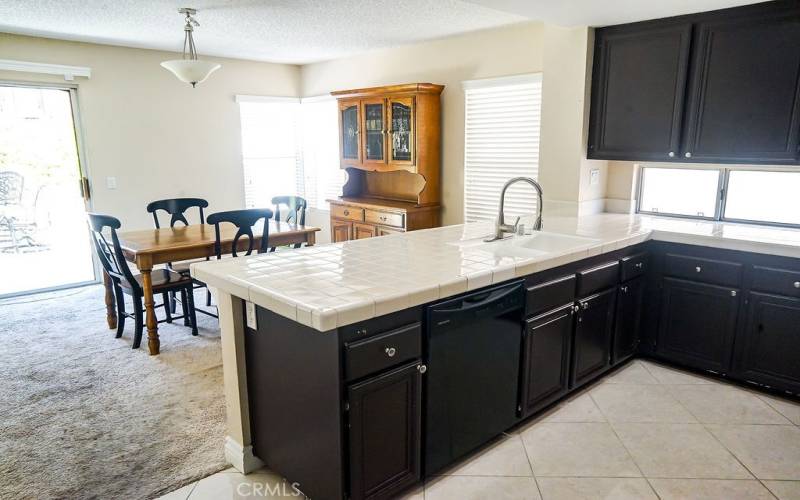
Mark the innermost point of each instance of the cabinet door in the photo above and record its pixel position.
(628, 319)
(341, 230)
(374, 128)
(744, 95)
(697, 324)
(361, 231)
(767, 353)
(350, 132)
(384, 433)
(593, 329)
(546, 357)
(401, 130)
(638, 85)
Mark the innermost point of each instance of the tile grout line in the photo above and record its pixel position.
(530, 464)
(766, 401)
(647, 480)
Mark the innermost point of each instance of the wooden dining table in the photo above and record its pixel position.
(151, 247)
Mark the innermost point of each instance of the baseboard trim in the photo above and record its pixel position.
(241, 457)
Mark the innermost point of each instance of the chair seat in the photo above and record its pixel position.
(183, 266)
(161, 279)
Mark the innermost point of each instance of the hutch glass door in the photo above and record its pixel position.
(348, 116)
(374, 131)
(401, 123)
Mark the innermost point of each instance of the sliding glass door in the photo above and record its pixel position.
(43, 236)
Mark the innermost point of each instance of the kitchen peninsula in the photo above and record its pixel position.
(326, 349)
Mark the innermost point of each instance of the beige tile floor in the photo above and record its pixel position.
(644, 432)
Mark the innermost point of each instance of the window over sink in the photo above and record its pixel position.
(290, 146)
(735, 194)
(501, 141)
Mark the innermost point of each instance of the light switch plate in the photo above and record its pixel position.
(111, 182)
(594, 176)
(250, 312)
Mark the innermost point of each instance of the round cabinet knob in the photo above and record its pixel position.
(624, 289)
(422, 368)
(390, 351)
(672, 154)
(639, 265)
(797, 284)
(688, 155)
(698, 269)
(347, 212)
(733, 293)
(585, 305)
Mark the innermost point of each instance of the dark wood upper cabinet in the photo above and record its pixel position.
(717, 87)
(771, 336)
(385, 420)
(638, 88)
(744, 95)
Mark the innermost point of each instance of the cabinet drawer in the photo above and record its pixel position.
(633, 266)
(382, 351)
(384, 218)
(777, 281)
(717, 272)
(346, 212)
(550, 295)
(598, 278)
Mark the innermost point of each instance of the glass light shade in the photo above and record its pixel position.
(191, 71)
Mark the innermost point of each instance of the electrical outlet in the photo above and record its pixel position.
(250, 311)
(594, 176)
(111, 182)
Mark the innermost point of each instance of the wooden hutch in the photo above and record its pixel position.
(390, 147)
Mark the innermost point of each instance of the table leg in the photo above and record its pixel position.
(111, 312)
(311, 239)
(150, 314)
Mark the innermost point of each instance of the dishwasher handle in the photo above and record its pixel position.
(478, 305)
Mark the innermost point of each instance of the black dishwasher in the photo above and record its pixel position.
(474, 344)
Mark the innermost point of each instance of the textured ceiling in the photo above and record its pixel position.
(290, 31)
(605, 12)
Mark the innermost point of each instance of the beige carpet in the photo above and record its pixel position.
(82, 415)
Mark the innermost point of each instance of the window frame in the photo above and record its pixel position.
(721, 199)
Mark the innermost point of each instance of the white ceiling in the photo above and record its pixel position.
(605, 12)
(289, 31)
(303, 31)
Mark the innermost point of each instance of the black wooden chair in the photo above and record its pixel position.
(125, 282)
(294, 212)
(244, 220)
(176, 208)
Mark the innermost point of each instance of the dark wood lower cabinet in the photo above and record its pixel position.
(697, 324)
(628, 319)
(768, 351)
(546, 351)
(384, 425)
(593, 329)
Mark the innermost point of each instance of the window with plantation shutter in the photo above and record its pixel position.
(501, 141)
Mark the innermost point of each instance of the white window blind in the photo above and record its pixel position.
(502, 121)
(289, 147)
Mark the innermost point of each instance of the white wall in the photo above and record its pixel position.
(562, 54)
(499, 52)
(159, 137)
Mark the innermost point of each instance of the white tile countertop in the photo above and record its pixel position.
(334, 285)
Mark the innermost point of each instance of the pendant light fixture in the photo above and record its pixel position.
(190, 69)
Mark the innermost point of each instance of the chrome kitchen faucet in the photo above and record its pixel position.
(502, 227)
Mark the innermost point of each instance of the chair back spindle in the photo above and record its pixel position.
(295, 209)
(110, 254)
(176, 208)
(244, 220)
